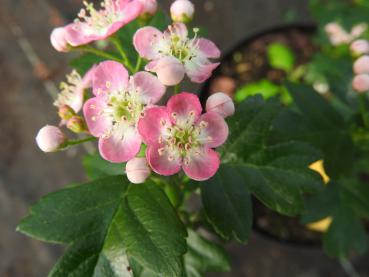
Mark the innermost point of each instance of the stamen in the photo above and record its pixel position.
(163, 122)
(161, 151)
(93, 118)
(108, 84)
(203, 124)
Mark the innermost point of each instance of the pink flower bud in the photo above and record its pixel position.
(58, 40)
(76, 124)
(220, 103)
(149, 7)
(182, 11)
(137, 170)
(361, 65)
(170, 71)
(333, 28)
(358, 30)
(50, 138)
(360, 47)
(361, 83)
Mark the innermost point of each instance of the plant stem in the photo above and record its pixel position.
(363, 110)
(177, 88)
(116, 42)
(349, 268)
(97, 52)
(79, 141)
(138, 64)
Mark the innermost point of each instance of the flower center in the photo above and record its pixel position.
(99, 20)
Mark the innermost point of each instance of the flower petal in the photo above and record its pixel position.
(74, 34)
(184, 108)
(150, 88)
(118, 149)
(109, 76)
(215, 130)
(166, 163)
(144, 41)
(178, 29)
(202, 165)
(97, 123)
(208, 48)
(153, 124)
(199, 70)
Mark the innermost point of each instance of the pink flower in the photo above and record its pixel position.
(179, 136)
(119, 102)
(360, 47)
(361, 65)
(193, 54)
(72, 91)
(92, 24)
(149, 7)
(361, 83)
(220, 103)
(182, 11)
(137, 170)
(50, 138)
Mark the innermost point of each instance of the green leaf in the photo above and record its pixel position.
(160, 21)
(233, 217)
(280, 56)
(204, 256)
(346, 233)
(84, 62)
(96, 167)
(113, 229)
(276, 173)
(151, 231)
(319, 124)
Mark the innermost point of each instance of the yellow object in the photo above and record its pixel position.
(321, 225)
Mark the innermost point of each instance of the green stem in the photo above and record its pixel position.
(138, 64)
(177, 89)
(97, 52)
(79, 141)
(363, 110)
(116, 42)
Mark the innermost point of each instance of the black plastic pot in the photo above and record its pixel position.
(310, 30)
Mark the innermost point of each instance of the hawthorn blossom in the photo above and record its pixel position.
(50, 138)
(220, 103)
(361, 65)
(182, 11)
(360, 47)
(179, 136)
(360, 83)
(119, 102)
(72, 92)
(173, 49)
(338, 35)
(92, 25)
(149, 8)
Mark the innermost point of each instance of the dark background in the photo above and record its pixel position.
(29, 70)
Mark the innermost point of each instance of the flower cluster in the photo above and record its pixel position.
(360, 83)
(125, 110)
(338, 35)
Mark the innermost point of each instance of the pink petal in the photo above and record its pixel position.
(144, 41)
(97, 124)
(118, 149)
(151, 66)
(203, 164)
(58, 39)
(220, 103)
(152, 124)
(215, 130)
(183, 107)
(199, 71)
(109, 76)
(165, 164)
(169, 69)
(208, 48)
(75, 35)
(150, 88)
(178, 29)
(131, 10)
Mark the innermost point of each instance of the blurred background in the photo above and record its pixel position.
(29, 71)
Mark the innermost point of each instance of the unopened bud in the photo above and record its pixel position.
(220, 103)
(360, 47)
(137, 170)
(58, 39)
(76, 124)
(361, 83)
(149, 8)
(361, 66)
(50, 138)
(170, 71)
(182, 11)
(65, 112)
